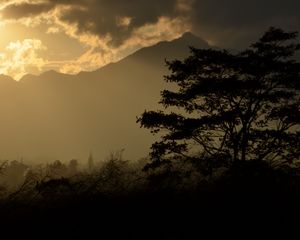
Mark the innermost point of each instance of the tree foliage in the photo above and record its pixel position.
(232, 107)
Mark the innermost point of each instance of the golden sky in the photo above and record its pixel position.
(82, 35)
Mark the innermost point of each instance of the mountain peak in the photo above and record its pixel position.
(188, 35)
(7, 78)
(49, 73)
(28, 77)
(193, 40)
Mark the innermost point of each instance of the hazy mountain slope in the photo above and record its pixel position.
(65, 116)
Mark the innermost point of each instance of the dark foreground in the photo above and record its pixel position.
(155, 216)
(249, 200)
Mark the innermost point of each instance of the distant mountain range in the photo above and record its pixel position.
(60, 116)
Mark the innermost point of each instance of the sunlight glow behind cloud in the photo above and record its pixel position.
(21, 57)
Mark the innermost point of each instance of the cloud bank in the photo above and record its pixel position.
(112, 29)
(219, 20)
(116, 18)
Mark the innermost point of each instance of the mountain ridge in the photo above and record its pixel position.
(186, 39)
(62, 116)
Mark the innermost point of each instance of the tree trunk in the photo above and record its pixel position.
(235, 153)
(244, 144)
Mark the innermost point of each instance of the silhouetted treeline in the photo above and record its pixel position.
(122, 199)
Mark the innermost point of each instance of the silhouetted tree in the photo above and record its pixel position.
(73, 167)
(54, 188)
(14, 173)
(233, 107)
(57, 169)
(91, 164)
(3, 165)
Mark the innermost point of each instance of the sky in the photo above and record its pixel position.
(70, 36)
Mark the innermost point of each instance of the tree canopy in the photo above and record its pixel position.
(231, 107)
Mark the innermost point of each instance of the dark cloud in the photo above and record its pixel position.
(27, 9)
(101, 16)
(17, 11)
(230, 23)
(237, 22)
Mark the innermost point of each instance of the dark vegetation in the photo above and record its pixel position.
(228, 158)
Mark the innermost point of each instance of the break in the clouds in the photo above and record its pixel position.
(108, 30)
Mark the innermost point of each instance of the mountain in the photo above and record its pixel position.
(6, 81)
(61, 116)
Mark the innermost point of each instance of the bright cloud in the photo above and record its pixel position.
(21, 57)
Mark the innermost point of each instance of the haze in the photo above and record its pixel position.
(49, 114)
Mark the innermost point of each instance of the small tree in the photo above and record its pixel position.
(233, 107)
(3, 165)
